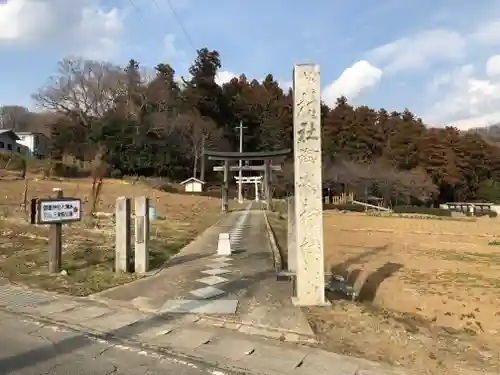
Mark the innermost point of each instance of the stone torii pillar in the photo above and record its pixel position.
(256, 180)
(267, 183)
(225, 188)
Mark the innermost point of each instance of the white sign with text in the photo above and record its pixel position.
(59, 211)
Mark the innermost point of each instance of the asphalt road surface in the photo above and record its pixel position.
(28, 347)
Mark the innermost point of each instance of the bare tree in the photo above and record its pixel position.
(199, 133)
(13, 117)
(381, 177)
(84, 89)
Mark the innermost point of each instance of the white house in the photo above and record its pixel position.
(8, 141)
(193, 185)
(35, 144)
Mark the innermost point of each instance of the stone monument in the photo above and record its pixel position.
(310, 277)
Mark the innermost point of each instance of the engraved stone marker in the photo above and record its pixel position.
(141, 235)
(308, 186)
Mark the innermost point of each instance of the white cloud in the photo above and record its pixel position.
(100, 32)
(493, 66)
(469, 101)
(354, 80)
(224, 76)
(458, 75)
(420, 50)
(24, 20)
(79, 26)
(487, 33)
(172, 52)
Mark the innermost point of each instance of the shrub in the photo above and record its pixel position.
(422, 210)
(12, 161)
(116, 173)
(167, 188)
(344, 207)
(482, 213)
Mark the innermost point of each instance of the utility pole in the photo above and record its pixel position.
(240, 193)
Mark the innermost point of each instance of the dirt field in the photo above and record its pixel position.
(428, 289)
(88, 254)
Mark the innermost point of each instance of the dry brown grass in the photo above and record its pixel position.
(88, 253)
(429, 291)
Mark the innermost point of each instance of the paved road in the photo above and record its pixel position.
(30, 348)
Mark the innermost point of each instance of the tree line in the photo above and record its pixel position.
(158, 124)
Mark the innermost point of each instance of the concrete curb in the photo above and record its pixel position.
(111, 339)
(257, 330)
(219, 361)
(274, 245)
(216, 322)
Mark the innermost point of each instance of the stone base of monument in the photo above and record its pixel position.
(290, 275)
(298, 303)
(224, 244)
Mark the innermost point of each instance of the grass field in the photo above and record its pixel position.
(429, 291)
(88, 253)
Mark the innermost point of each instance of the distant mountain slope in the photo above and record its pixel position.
(489, 133)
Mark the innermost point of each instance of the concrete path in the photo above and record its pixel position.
(184, 275)
(236, 291)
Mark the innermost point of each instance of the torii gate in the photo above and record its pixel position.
(266, 156)
(256, 180)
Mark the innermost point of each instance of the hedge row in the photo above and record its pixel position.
(421, 210)
(344, 207)
(405, 210)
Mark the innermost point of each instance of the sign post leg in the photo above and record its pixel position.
(55, 250)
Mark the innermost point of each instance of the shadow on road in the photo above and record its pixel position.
(66, 346)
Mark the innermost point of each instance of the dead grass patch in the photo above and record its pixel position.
(88, 253)
(436, 312)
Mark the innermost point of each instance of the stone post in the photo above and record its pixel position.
(308, 186)
(225, 189)
(256, 185)
(123, 240)
(141, 250)
(291, 233)
(267, 182)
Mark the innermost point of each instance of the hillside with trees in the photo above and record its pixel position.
(158, 125)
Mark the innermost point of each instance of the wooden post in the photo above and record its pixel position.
(55, 250)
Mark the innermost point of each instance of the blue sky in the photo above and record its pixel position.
(441, 59)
